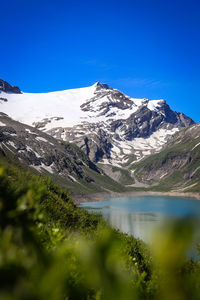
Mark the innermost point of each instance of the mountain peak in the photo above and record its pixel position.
(108, 125)
(100, 85)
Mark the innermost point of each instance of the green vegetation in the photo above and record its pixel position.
(101, 181)
(179, 162)
(125, 178)
(51, 249)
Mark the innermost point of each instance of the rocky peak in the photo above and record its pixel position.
(7, 88)
(100, 86)
(130, 127)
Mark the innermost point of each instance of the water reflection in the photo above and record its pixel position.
(140, 215)
(140, 225)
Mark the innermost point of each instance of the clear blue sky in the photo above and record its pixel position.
(146, 48)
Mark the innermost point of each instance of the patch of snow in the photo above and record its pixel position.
(126, 151)
(195, 146)
(21, 151)
(124, 160)
(31, 150)
(2, 124)
(37, 155)
(33, 107)
(47, 168)
(116, 149)
(141, 147)
(146, 152)
(158, 138)
(154, 104)
(163, 175)
(7, 147)
(192, 174)
(138, 159)
(12, 144)
(72, 178)
(63, 136)
(28, 130)
(38, 138)
(29, 108)
(43, 166)
(110, 162)
(137, 153)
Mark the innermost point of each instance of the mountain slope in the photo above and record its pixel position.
(107, 125)
(177, 166)
(64, 162)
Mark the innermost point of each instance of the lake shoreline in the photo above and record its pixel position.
(103, 196)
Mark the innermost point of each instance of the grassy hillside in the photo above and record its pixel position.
(175, 167)
(40, 228)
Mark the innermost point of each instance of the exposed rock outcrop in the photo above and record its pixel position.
(7, 88)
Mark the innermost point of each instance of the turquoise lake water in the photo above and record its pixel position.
(140, 215)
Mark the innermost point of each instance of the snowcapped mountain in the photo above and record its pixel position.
(110, 127)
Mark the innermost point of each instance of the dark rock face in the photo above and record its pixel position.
(98, 139)
(3, 99)
(44, 153)
(45, 121)
(115, 99)
(7, 88)
(98, 148)
(102, 86)
(145, 122)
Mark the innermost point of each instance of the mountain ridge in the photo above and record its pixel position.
(109, 126)
(43, 154)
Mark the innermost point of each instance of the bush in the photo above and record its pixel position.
(51, 249)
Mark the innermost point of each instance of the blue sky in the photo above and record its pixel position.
(144, 48)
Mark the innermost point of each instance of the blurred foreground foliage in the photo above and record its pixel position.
(51, 249)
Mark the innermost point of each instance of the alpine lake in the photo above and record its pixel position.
(141, 216)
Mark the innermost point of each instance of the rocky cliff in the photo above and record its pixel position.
(109, 126)
(175, 167)
(62, 161)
